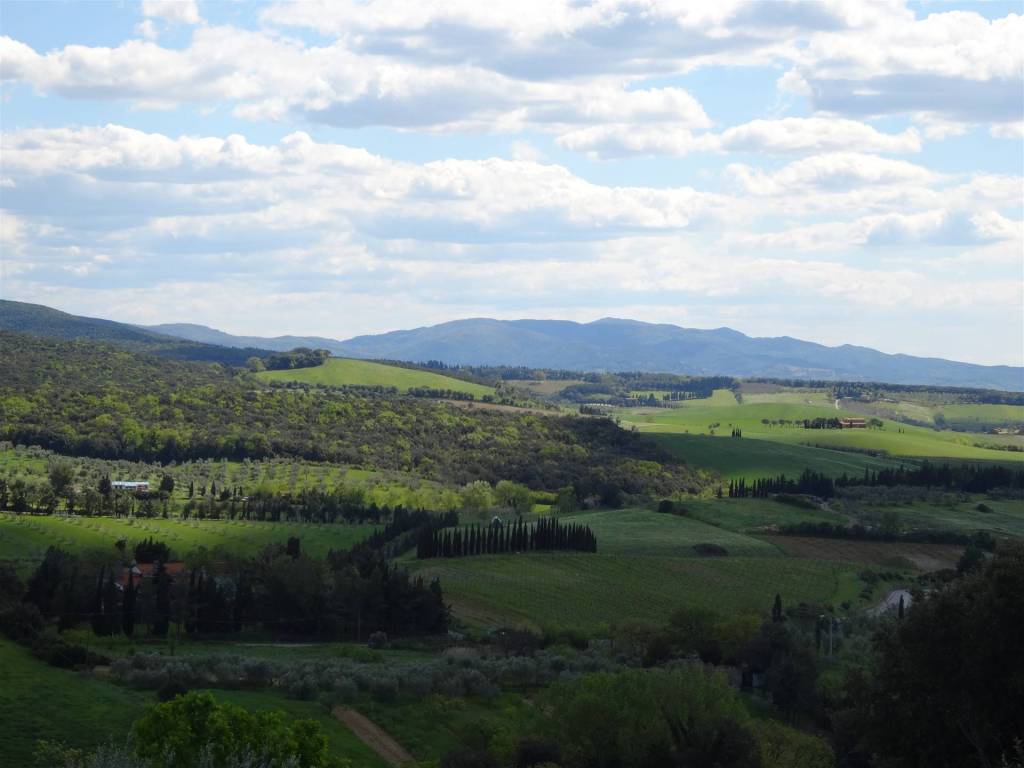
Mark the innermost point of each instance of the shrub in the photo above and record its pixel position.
(378, 640)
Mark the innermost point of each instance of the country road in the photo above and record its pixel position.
(373, 736)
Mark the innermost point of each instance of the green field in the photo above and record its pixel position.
(24, 538)
(1005, 518)
(42, 702)
(761, 421)
(589, 591)
(337, 372)
(755, 514)
(641, 532)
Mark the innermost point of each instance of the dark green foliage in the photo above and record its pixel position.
(178, 732)
(98, 400)
(546, 535)
(634, 719)
(300, 357)
(150, 551)
(945, 683)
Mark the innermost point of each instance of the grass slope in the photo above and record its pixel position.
(751, 459)
(25, 538)
(641, 532)
(587, 592)
(337, 372)
(894, 439)
(41, 702)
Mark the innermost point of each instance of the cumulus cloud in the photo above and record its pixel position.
(561, 66)
(174, 11)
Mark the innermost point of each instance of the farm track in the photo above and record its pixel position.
(373, 736)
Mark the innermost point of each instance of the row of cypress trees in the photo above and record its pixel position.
(542, 536)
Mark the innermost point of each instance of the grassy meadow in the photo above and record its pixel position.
(38, 701)
(780, 422)
(25, 538)
(336, 372)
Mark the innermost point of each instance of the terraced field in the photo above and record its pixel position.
(24, 538)
(338, 372)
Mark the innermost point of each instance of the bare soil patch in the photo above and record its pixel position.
(373, 736)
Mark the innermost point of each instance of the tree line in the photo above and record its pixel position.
(969, 478)
(545, 535)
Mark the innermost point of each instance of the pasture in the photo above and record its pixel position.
(746, 458)
(38, 701)
(337, 372)
(588, 592)
(783, 423)
(25, 538)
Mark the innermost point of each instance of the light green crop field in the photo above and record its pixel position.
(751, 459)
(756, 422)
(590, 591)
(755, 514)
(337, 372)
(982, 415)
(642, 532)
(38, 701)
(25, 538)
(1003, 518)
(791, 397)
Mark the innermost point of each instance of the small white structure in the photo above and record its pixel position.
(130, 485)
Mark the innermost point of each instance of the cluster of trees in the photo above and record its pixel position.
(835, 423)
(90, 399)
(347, 596)
(441, 394)
(970, 478)
(300, 357)
(887, 531)
(542, 536)
(809, 482)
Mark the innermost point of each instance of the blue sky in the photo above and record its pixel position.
(843, 172)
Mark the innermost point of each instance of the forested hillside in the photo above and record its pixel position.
(21, 317)
(95, 399)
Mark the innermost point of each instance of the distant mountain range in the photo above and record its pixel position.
(604, 345)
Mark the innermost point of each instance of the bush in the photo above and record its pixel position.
(710, 550)
(534, 751)
(21, 622)
(377, 640)
(171, 690)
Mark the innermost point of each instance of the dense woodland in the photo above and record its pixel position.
(91, 399)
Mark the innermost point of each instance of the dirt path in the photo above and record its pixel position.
(373, 736)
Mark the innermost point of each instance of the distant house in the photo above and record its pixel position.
(138, 486)
(853, 423)
(141, 571)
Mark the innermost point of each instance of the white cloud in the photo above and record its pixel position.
(815, 134)
(834, 171)
(173, 11)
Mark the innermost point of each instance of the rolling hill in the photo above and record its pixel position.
(38, 320)
(628, 345)
(363, 373)
(604, 345)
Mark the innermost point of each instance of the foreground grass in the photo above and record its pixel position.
(40, 702)
(338, 372)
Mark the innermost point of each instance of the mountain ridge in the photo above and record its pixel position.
(608, 344)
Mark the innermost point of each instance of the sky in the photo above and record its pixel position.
(842, 172)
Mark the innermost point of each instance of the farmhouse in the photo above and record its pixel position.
(130, 485)
(853, 423)
(140, 571)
